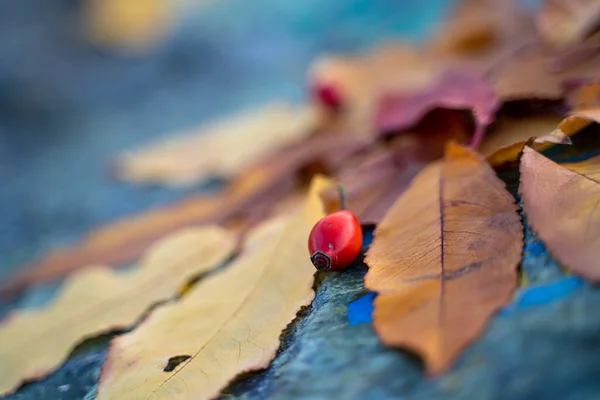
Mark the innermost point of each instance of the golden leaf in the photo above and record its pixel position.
(562, 205)
(227, 324)
(223, 148)
(444, 258)
(97, 300)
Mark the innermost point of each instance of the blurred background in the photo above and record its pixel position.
(83, 80)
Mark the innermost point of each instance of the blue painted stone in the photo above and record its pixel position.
(360, 311)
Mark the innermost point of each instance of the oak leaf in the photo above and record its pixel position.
(562, 206)
(219, 149)
(444, 258)
(227, 324)
(97, 300)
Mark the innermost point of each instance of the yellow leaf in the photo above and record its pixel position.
(228, 324)
(96, 300)
(222, 148)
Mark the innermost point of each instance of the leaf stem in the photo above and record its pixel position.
(342, 193)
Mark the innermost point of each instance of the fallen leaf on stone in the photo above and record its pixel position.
(505, 141)
(97, 300)
(227, 324)
(584, 97)
(220, 149)
(249, 199)
(562, 206)
(566, 22)
(372, 184)
(444, 258)
(455, 89)
(506, 144)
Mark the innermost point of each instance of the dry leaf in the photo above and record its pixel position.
(250, 198)
(480, 33)
(221, 149)
(444, 258)
(533, 74)
(133, 24)
(499, 150)
(504, 143)
(584, 97)
(97, 300)
(567, 22)
(455, 89)
(561, 204)
(360, 80)
(227, 324)
(373, 184)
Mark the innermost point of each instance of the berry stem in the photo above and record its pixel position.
(342, 193)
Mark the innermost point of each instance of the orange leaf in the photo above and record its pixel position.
(562, 205)
(373, 184)
(444, 258)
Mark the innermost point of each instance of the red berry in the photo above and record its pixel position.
(328, 95)
(335, 241)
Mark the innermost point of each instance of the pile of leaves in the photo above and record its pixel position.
(420, 138)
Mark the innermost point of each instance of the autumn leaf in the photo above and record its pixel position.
(532, 74)
(455, 89)
(359, 81)
(221, 149)
(251, 197)
(227, 324)
(479, 34)
(373, 183)
(504, 144)
(97, 300)
(133, 24)
(444, 258)
(561, 204)
(567, 22)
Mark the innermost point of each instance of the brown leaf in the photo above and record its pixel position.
(504, 143)
(97, 300)
(221, 149)
(480, 33)
(250, 198)
(444, 258)
(373, 184)
(455, 89)
(567, 22)
(227, 324)
(532, 75)
(561, 204)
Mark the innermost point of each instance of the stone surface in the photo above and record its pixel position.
(66, 108)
